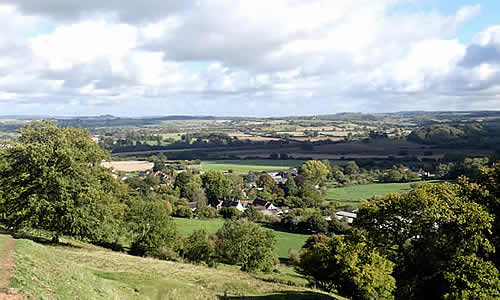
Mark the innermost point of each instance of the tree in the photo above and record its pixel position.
(267, 182)
(314, 170)
(347, 266)
(52, 179)
(230, 212)
(217, 186)
(252, 214)
(351, 168)
(316, 223)
(470, 278)
(151, 227)
(424, 232)
(200, 247)
(248, 245)
(290, 186)
(188, 183)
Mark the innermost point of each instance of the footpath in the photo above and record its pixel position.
(7, 266)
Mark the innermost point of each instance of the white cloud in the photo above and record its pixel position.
(256, 56)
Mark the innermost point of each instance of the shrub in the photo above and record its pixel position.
(248, 245)
(200, 247)
(230, 212)
(151, 227)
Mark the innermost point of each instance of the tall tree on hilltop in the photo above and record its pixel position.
(52, 180)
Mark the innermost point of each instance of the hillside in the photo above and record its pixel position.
(81, 271)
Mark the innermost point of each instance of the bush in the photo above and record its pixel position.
(151, 226)
(252, 214)
(199, 247)
(229, 212)
(346, 266)
(248, 245)
(206, 212)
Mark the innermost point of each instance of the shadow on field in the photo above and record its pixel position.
(43, 240)
(285, 295)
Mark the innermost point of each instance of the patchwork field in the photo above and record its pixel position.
(352, 195)
(81, 271)
(284, 240)
(129, 166)
(245, 166)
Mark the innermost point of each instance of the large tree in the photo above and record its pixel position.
(217, 186)
(428, 232)
(346, 265)
(52, 180)
(314, 170)
(246, 244)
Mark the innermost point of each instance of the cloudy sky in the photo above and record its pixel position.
(247, 57)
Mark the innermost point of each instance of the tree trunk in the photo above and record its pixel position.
(55, 239)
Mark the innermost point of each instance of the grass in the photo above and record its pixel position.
(352, 195)
(81, 271)
(254, 165)
(284, 240)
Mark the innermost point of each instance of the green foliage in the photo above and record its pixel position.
(200, 247)
(181, 208)
(230, 212)
(206, 212)
(348, 266)
(151, 227)
(314, 170)
(51, 179)
(217, 186)
(189, 184)
(424, 232)
(351, 168)
(398, 174)
(246, 244)
(267, 182)
(252, 214)
(472, 278)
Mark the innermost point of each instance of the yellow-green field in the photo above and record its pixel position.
(251, 165)
(352, 195)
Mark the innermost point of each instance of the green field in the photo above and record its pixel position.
(254, 165)
(284, 240)
(352, 195)
(81, 271)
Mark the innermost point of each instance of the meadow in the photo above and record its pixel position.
(250, 165)
(284, 240)
(76, 270)
(352, 195)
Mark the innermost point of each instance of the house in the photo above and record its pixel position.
(350, 216)
(266, 207)
(193, 206)
(280, 177)
(237, 204)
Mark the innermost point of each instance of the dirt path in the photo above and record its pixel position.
(6, 269)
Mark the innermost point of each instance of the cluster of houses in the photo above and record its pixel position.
(265, 207)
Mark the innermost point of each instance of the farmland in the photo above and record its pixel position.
(245, 166)
(352, 195)
(80, 271)
(284, 240)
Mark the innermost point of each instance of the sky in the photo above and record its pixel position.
(247, 57)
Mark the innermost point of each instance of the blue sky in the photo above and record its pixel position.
(255, 58)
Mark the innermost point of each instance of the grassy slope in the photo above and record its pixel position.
(254, 165)
(82, 271)
(351, 195)
(284, 240)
